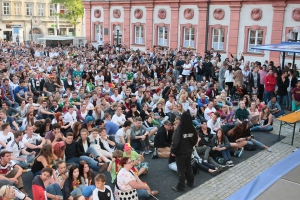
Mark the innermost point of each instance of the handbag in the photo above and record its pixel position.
(126, 195)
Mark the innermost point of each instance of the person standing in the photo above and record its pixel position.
(270, 83)
(282, 84)
(184, 140)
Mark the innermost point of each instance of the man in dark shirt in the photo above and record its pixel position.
(241, 114)
(208, 68)
(49, 87)
(162, 140)
(72, 156)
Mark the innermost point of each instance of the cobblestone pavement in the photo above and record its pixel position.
(225, 184)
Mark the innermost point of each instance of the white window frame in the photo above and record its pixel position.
(52, 10)
(162, 41)
(298, 38)
(98, 32)
(41, 10)
(6, 8)
(29, 9)
(256, 38)
(139, 34)
(188, 43)
(219, 44)
(17, 8)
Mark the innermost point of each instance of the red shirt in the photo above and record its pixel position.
(296, 93)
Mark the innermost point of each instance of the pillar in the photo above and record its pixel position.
(174, 30)
(202, 31)
(149, 26)
(87, 9)
(277, 29)
(235, 10)
(126, 24)
(106, 24)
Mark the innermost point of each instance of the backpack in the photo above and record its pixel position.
(250, 147)
(195, 168)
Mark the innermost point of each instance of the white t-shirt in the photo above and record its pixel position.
(120, 133)
(212, 125)
(70, 118)
(186, 70)
(207, 112)
(33, 140)
(99, 80)
(167, 110)
(7, 138)
(116, 98)
(119, 120)
(15, 148)
(123, 178)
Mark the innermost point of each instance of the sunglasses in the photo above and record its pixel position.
(130, 162)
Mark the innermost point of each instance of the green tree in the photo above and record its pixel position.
(73, 11)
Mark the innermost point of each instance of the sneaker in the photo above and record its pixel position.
(154, 155)
(240, 153)
(224, 167)
(176, 189)
(205, 161)
(214, 173)
(221, 160)
(269, 149)
(147, 151)
(229, 163)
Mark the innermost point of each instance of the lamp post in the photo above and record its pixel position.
(31, 28)
(293, 37)
(117, 38)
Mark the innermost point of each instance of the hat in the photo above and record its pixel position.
(127, 147)
(2, 153)
(88, 119)
(88, 191)
(167, 122)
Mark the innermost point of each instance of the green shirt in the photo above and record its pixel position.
(74, 100)
(241, 114)
(129, 76)
(77, 73)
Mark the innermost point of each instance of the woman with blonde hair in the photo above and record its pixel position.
(98, 112)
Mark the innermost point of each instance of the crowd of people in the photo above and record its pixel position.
(70, 112)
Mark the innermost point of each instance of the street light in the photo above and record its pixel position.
(31, 27)
(293, 37)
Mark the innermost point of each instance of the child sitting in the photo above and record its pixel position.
(102, 191)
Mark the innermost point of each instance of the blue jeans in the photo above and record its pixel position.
(93, 151)
(258, 128)
(142, 194)
(15, 105)
(199, 78)
(279, 113)
(254, 142)
(24, 164)
(92, 163)
(268, 96)
(54, 189)
(196, 123)
(226, 154)
(77, 191)
(282, 101)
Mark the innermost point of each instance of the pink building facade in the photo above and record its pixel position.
(227, 26)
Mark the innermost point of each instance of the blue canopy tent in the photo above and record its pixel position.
(291, 47)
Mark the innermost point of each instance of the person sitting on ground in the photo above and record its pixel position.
(95, 142)
(102, 191)
(140, 167)
(213, 123)
(40, 190)
(61, 173)
(43, 159)
(123, 135)
(220, 143)
(296, 97)
(5, 135)
(275, 108)
(162, 140)
(110, 127)
(115, 166)
(148, 123)
(140, 136)
(74, 184)
(265, 121)
(204, 145)
(10, 171)
(8, 191)
(8, 119)
(127, 181)
(55, 135)
(209, 110)
(241, 113)
(254, 114)
(33, 141)
(87, 173)
(105, 143)
(20, 156)
(119, 118)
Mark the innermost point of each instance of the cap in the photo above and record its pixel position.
(127, 147)
(2, 153)
(88, 191)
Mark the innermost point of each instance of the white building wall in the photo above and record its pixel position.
(245, 20)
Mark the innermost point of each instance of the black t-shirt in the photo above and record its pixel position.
(103, 195)
(50, 87)
(129, 114)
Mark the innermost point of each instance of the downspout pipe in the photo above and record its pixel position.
(207, 25)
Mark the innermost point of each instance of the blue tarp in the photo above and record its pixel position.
(267, 178)
(292, 47)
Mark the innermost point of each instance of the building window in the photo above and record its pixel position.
(63, 31)
(52, 10)
(255, 38)
(62, 9)
(293, 37)
(218, 39)
(50, 31)
(29, 9)
(41, 10)
(139, 35)
(17, 10)
(189, 37)
(6, 8)
(162, 36)
(98, 32)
